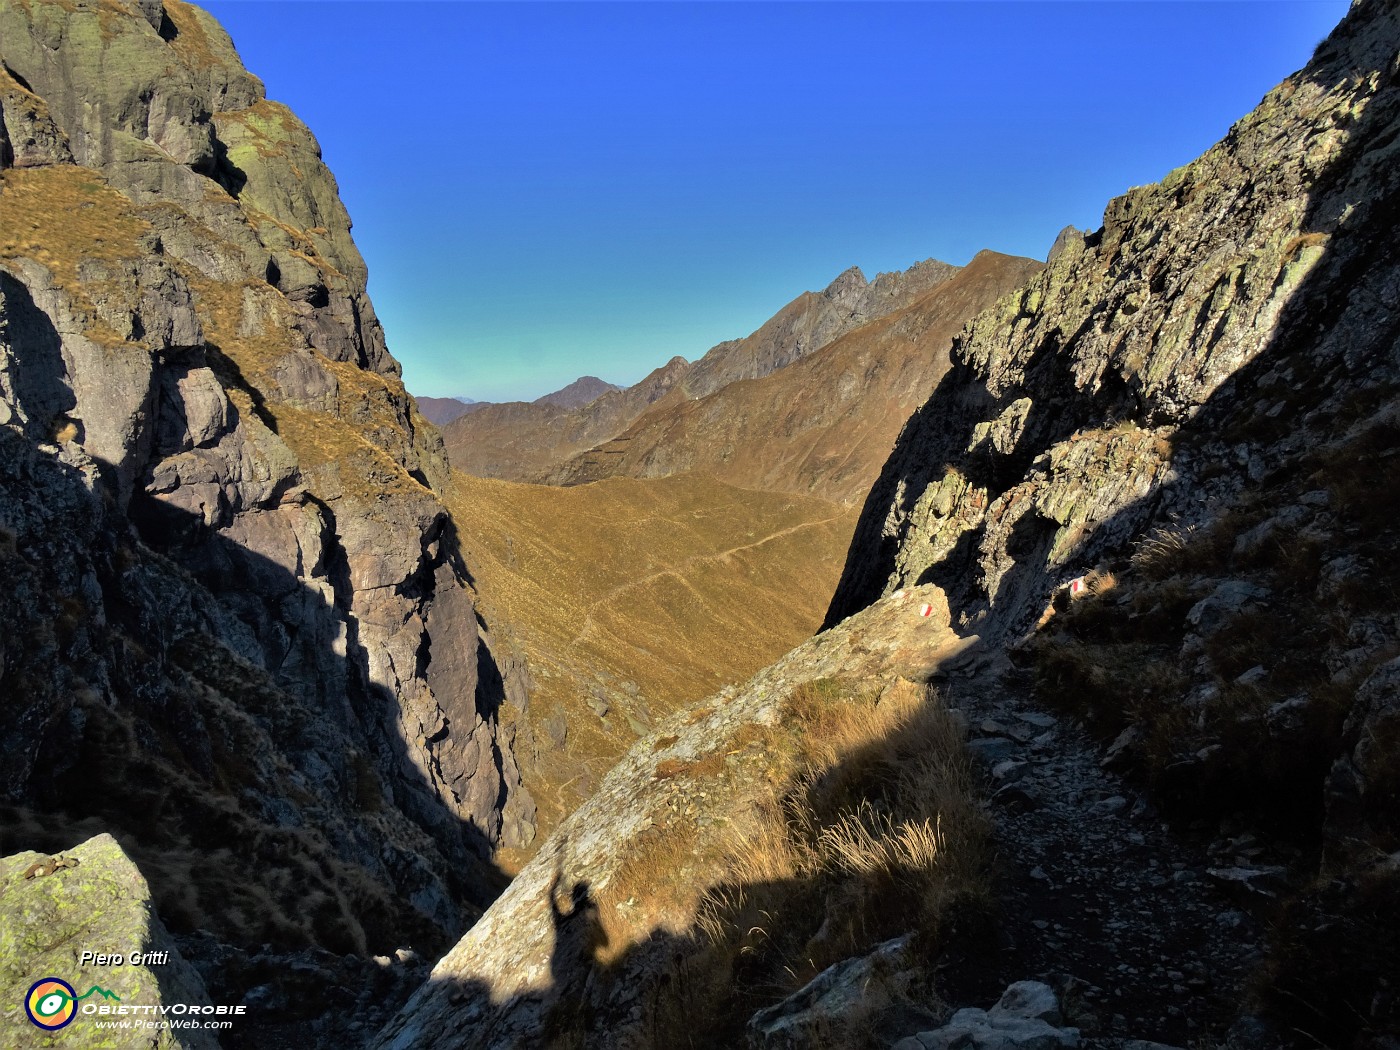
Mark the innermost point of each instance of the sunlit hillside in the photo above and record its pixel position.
(629, 598)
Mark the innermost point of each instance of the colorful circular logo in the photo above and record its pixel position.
(51, 1003)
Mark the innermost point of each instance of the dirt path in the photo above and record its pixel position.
(1099, 897)
(679, 571)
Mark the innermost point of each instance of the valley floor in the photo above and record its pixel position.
(631, 598)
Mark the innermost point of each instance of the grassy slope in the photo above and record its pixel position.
(641, 595)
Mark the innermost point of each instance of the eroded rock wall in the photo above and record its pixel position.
(1051, 441)
(213, 466)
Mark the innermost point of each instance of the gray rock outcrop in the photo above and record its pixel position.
(1058, 435)
(231, 579)
(845, 1002)
(1192, 412)
(1026, 1017)
(101, 906)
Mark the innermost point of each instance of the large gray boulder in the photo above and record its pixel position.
(102, 906)
(1025, 1018)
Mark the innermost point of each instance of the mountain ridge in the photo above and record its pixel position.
(442, 410)
(519, 442)
(821, 424)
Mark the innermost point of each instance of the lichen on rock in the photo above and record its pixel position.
(103, 905)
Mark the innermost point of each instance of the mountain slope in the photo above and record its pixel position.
(825, 423)
(235, 607)
(442, 410)
(580, 392)
(521, 442)
(627, 599)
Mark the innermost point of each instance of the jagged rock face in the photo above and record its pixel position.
(823, 424)
(811, 321)
(212, 460)
(1202, 397)
(1050, 440)
(520, 442)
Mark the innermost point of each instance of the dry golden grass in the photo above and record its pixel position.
(869, 843)
(650, 593)
(866, 826)
(1099, 582)
(62, 215)
(191, 42)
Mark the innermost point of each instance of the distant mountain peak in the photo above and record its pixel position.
(443, 410)
(582, 391)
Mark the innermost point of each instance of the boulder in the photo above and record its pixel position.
(1024, 1018)
(842, 1000)
(102, 905)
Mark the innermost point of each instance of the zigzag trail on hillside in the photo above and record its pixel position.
(678, 571)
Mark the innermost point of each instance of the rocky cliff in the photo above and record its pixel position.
(521, 442)
(1192, 415)
(237, 628)
(1056, 433)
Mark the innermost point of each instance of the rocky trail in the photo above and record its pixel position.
(1131, 922)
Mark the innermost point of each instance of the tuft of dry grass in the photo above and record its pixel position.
(874, 831)
(860, 821)
(1164, 552)
(869, 843)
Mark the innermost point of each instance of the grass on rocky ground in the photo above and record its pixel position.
(866, 826)
(1242, 722)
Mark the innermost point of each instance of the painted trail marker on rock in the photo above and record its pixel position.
(926, 609)
(1077, 586)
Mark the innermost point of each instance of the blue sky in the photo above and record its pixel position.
(544, 190)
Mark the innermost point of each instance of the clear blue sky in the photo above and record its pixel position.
(543, 190)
